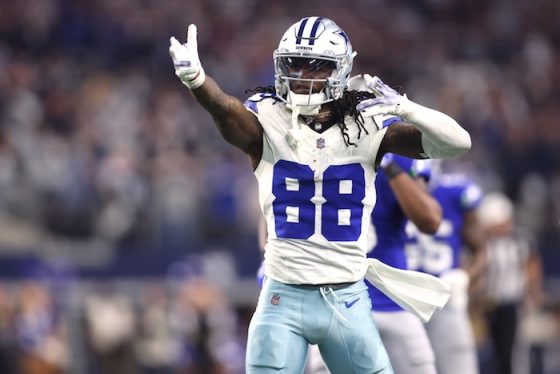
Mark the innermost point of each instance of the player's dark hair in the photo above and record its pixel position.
(345, 106)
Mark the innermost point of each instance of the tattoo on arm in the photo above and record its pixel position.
(402, 139)
(237, 125)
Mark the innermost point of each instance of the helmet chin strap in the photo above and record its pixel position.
(305, 105)
(295, 133)
(308, 104)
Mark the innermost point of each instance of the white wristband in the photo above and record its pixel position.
(196, 81)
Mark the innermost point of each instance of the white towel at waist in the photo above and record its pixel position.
(419, 293)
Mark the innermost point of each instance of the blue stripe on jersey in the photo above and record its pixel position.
(252, 105)
(389, 121)
(314, 30)
(300, 31)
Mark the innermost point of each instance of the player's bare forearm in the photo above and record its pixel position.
(237, 125)
(417, 204)
(402, 139)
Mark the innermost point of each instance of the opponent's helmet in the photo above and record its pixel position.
(319, 44)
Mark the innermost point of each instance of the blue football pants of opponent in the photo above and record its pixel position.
(339, 321)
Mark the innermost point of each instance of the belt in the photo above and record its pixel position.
(333, 286)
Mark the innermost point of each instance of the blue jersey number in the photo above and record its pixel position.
(293, 186)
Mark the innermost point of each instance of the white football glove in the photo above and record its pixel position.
(186, 61)
(388, 100)
(442, 136)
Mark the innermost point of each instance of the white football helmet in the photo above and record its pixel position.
(316, 44)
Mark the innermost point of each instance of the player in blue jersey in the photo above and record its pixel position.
(314, 146)
(402, 333)
(450, 330)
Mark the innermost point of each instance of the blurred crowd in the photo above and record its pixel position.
(142, 327)
(108, 166)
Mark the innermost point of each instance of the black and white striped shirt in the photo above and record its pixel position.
(506, 277)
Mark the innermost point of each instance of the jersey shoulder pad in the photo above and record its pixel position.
(260, 96)
(422, 168)
(465, 189)
(453, 180)
(471, 196)
(251, 102)
(388, 119)
(357, 83)
(382, 121)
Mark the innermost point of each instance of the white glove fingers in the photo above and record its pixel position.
(191, 35)
(186, 61)
(174, 42)
(380, 86)
(372, 83)
(367, 104)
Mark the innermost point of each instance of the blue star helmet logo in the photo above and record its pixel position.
(343, 34)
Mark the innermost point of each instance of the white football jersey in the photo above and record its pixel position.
(316, 197)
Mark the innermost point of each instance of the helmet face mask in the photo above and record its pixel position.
(312, 64)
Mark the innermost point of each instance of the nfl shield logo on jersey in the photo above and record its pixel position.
(321, 143)
(275, 300)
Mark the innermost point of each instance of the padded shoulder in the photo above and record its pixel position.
(251, 102)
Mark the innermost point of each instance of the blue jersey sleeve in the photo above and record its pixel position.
(470, 197)
(404, 163)
(422, 168)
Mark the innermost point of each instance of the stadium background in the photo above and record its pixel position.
(128, 238)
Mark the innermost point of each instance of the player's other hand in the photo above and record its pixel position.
(387, 101)
(186, 61)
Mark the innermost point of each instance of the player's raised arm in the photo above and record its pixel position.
(433, 135)
(237, 125)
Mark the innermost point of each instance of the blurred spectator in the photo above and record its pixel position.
(158, 345)
(40, 333)
(111, 328)
(7, 343)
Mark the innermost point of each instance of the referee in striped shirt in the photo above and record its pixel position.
(513, 273)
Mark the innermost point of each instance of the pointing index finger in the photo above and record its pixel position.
(191, 34)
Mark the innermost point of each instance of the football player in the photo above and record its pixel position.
(401, 197)
(314, 148)
(449, 330)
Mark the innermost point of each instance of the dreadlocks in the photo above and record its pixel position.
(262, 89)
(345, 106)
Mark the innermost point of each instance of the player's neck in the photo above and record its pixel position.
(322, 121)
